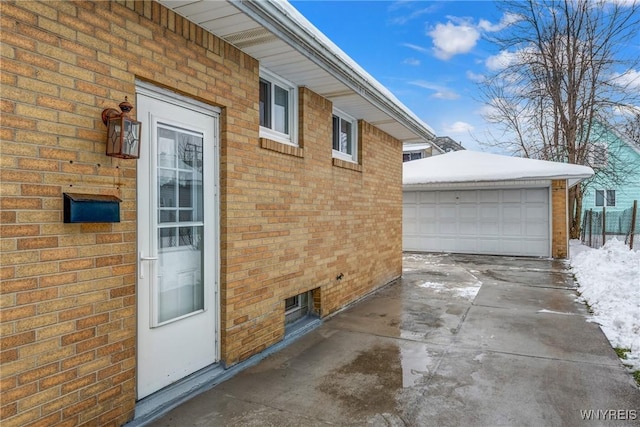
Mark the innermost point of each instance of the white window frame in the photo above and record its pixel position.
(353, 157)
(265, 132)
(605, 198)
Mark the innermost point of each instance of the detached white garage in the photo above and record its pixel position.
(480, 203)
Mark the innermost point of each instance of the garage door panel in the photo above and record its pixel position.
(503, 222)
(410, 197)
(511, 196)
(467, 197)
(409, 227)
(428, 228)
(468, 211)
(469, 244)
(447, 196)
(536, 211)
(465, 228)
(512, 229)
(489, 196)
(447, 212)
(492, 245)
(537, 195)
(488, 229)
(489, 212)
(427, 197)
(448, 244)
(447, 228)
(536, 230)
(427, 211)
(512, 212)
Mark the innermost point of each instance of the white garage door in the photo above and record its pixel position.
(497, 222)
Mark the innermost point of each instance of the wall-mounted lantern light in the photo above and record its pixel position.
(123, 133)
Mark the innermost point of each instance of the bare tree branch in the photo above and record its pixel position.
(569, 74)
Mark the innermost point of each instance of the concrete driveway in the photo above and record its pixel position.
(458, 341)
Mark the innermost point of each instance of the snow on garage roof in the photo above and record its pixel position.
(474, 166)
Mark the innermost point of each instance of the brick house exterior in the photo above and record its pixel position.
(292, 218)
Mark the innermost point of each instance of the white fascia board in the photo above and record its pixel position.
(289, 25)
(489, 184)
(416, 147)
(478, 185)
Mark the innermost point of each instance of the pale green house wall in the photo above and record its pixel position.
(623, 158)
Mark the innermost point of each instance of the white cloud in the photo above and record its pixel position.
(626, 110)
(452, 39)
(460, 35)
(411, 61)
(416, 47)
(475, 77)
(458, 128)
(501, 61)
(440, 92)
(401, 20)
(629, 79)
(507, 19)
(623, 3)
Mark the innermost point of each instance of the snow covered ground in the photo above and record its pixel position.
(609, 281)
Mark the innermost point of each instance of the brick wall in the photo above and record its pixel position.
(295, 219)
(68, 290)
(559, 219)
(291, 219)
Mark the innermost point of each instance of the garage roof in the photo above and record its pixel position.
(474, 166)
(286, 43)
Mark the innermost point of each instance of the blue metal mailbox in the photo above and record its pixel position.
(91, 208)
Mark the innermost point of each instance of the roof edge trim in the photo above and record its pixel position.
(285, 21)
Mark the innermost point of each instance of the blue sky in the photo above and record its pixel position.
(430, 54)
(397, 43)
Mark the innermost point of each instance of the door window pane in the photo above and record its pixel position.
(166, 148)
(180, 279)
(167, 237)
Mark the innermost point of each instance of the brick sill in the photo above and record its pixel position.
(279, 147)
(347, 165)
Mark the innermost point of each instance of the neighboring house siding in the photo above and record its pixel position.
(292, 219)
(625, 161)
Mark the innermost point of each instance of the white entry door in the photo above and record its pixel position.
(177, 239)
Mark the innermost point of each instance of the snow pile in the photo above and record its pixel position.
(474, 166)
(609, 281)
(466, 292)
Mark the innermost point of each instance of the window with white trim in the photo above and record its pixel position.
(606, 198)
(278, 108)
(345, 136)
(597, 156)
(412, 155)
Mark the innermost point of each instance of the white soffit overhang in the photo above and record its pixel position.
(285, 42)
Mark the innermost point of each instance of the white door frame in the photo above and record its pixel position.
(212, 301)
